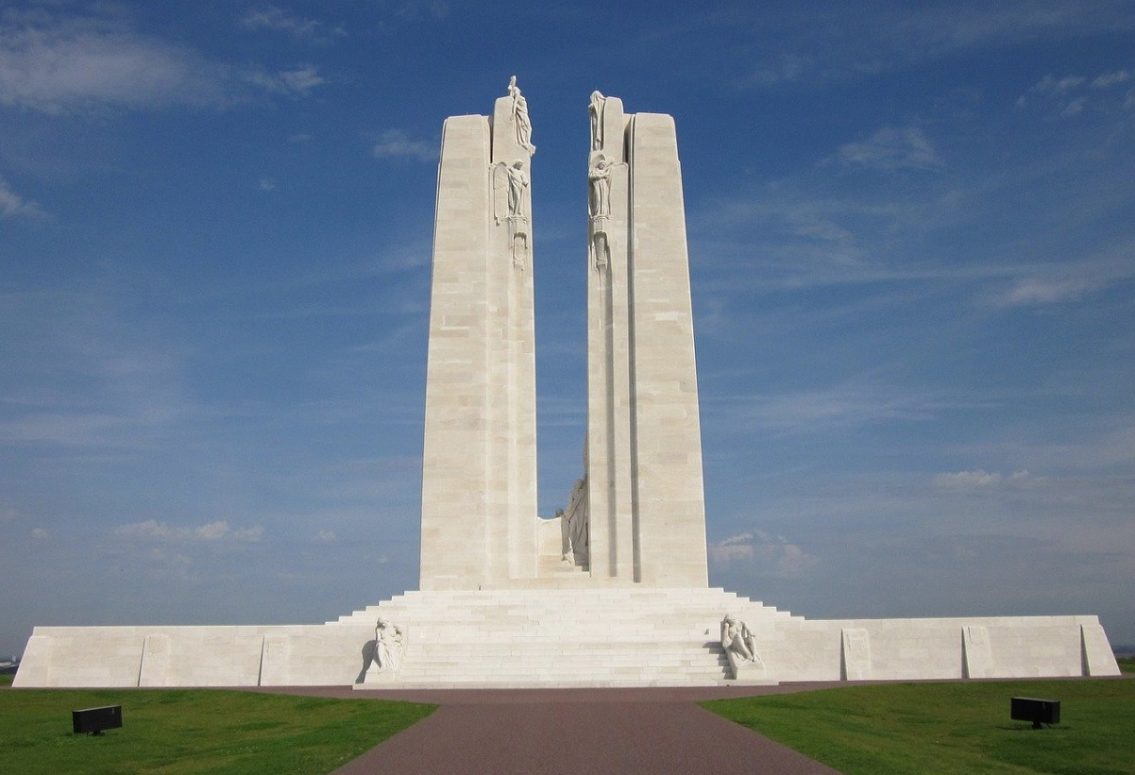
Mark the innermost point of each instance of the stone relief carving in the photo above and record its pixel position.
(738, 642)
(510, 201)
(600, 251)
(520, 250)
(510, 185)
(520, 116)
(595, 111)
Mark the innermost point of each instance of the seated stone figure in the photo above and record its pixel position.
(388, 644)
(739, 644)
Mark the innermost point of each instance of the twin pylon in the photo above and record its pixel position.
(637, 516)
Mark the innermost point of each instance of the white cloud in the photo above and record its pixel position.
(266, 184)
(1070, 94)
(325, 537)
(787, 67)
(967, 479)
(220, 530)
(773, 555)
(1052, 85)
(893, 148)
(738, 547)
(1107, 80)
(12, 205)
(87, 63)
(396, 144)
(274, 19)
(1070, 280)
(296, 82)
(980, 479)
(77, 64)
(845, 42)
(1073, 107)
(1049, 290)
(39, 534)
(843, 406)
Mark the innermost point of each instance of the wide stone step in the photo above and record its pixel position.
(550, 683)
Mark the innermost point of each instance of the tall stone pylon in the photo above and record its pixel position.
(479, 457)
(645, 498)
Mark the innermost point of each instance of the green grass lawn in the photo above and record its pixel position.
(183, 731)
(950, 727)
(1126, 664)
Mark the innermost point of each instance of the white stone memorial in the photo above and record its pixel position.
(614, 590)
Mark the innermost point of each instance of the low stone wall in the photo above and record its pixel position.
(290, 655)
(572, 637)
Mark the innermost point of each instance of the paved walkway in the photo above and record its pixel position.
(575, 731)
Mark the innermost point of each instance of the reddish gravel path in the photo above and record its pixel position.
(576, 731)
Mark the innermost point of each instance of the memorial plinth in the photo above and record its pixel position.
(613, 591)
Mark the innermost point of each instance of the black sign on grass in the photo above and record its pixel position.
(94, 720)
(1034, 710)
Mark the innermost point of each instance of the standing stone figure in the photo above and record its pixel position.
(737, 639)
(599, 176)
(520, 113)
(517, 182)
(595, 111)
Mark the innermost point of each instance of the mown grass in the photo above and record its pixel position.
(1126, 664)
(950, 727)
(194, 731)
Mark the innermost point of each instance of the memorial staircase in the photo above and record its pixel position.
(594, 637)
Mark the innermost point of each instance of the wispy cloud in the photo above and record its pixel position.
(220, 530)
(298, 81)
(1107, 80)
(893, 148)
(1068, 281)
(12, 205)
(980, 479)
(784, 68)
(1069, 95)
(1057, 86)
(845, 406)
(1050, 290)
(844, 43)
(396, 144)
(81, 63)
(274, 19)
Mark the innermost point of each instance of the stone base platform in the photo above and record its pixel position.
(597, 637)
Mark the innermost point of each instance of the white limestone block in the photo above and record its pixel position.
(1098, 658)
(856, 654)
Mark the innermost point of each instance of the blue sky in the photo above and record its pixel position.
(912, 249)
